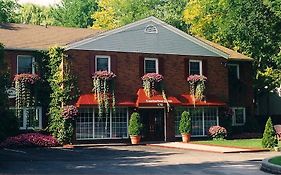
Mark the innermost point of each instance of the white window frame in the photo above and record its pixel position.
(156, 64)
(234, 116)
(200, 66)
(38, 112)
(103, 56)
(33, 61)
(237, 70)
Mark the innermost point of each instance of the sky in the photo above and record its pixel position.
(40, 2)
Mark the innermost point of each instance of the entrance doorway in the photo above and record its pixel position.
(153, 121)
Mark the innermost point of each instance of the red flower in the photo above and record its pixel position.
(195, 78)
(27, 78)
(69, 112)
(104, 75)
(30, 140)
(153, 77)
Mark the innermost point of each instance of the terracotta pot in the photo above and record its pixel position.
(185, 138)
(135, 139)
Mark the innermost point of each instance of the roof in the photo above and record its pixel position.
(133, 38)
(36, 37)
(233, 55)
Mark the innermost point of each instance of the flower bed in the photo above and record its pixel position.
(30, 140)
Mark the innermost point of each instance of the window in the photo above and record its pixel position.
(151, 65)
(195, 67)
(233, 71)
(239, 116)
(30, 118)
(25, 64)
(201, 119)
(90, 126)
(151, 29)
(102, 63)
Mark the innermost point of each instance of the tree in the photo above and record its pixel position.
(115, 13)
(248, 27)
(34, 14)
(269, 139)
(274, 6)
(8, 10)
(74, 13)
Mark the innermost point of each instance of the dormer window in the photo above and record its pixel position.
(150, 29)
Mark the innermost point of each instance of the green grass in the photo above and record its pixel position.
(276, 160)
(242, 143)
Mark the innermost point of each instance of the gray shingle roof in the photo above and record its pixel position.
(132, 38)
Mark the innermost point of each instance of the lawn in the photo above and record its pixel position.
(276, 160)
(242, 143)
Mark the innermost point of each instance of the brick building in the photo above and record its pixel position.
(147, 46)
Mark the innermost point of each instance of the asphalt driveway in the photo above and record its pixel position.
(127, 160)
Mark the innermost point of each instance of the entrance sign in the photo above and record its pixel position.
(11, 92)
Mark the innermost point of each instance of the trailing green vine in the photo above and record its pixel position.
(103, 82)
(64, 91)
(197, 86)
(151, 82)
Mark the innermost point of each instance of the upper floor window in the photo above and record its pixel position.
(25, 64)
(233, 71)
(239, 116)
(102, 63)
(151, 65)
(195, 67)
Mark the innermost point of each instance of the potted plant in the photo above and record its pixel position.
(135, 127)
(185, 126)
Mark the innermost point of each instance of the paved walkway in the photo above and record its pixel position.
(198, 147)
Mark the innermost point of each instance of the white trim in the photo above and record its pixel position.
(156, 64)
(165, 125)
(157, 21)
(108, 61)
(237, 69)
(200, 66)
(38, 113)
(234, 116)
(32, 64)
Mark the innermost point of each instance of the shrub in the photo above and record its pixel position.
(185, 123)
(30, 140)
(269, 139)
(69, 112)
(9, 124)
(217, 132)
(135, 125)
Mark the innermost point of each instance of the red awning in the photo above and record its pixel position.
(187, 100)
(90, 100)
(156, 100)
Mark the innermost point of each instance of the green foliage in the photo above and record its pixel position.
(8, 120)
(115, 13)
(63, 91)
(274, 6)
(135, 125)
(185, 123)
(8, 10)
(33, 14)
(74, 13)
(269, 139)
(248, 27)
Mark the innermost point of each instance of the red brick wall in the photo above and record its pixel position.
(173, 68)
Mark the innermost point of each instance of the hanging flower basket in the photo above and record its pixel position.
(69, 112)
(149, 81)
(27, 78)
(197, 86)
(103, 82)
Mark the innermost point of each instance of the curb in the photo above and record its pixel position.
(270, 167)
